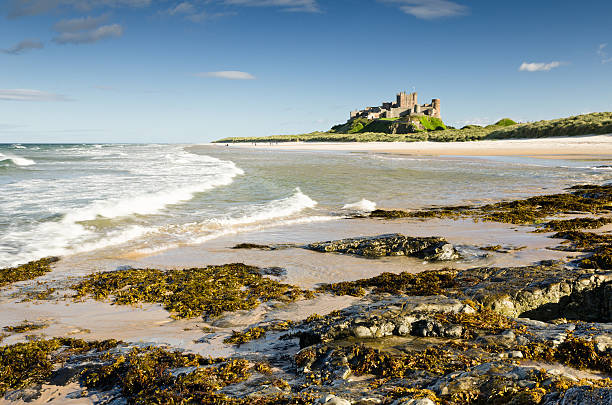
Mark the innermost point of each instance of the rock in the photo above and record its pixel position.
(419, 401)
(431, 248)
(330, 399)
(397, 316)
(583, 396)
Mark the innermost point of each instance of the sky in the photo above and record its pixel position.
(198, 70)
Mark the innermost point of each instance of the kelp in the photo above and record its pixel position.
(258, 332)
(483, 319)
(590, 199)
(574, 224)
(574, 352)
(251, 246)
(25, 326)
(24, 364)
(154, 375)
(434, 359)
(26, 271)
(188, 293)
(419, 284)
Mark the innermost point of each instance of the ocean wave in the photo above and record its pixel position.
(18, 146)
(257, 217)
(152, 203)
(245, 228)
(110, 220)
(16, 160)
(363, 205)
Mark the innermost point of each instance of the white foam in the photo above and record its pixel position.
(151, 185)
(238, 230)
(17, 160)
(275, 209)
(259, 217)
(363, 205)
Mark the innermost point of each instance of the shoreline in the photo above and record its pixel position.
(578, 147)
(395, 296)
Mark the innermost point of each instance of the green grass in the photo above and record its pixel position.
(505, 122)
(432, 124)
(373, 131)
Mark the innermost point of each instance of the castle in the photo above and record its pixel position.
(405, 105)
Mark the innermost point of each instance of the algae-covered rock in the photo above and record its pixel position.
(429, 248)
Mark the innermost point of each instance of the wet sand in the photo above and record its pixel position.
(578, 147)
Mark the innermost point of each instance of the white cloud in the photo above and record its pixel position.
(228, 74)
(190, 12)
(603, 54)
(23, 46)
(85, 30)
(538, 67)
(182, 8)
(430, 9)
(80, 24)
(21, 8)
(29, 95)
(308, 6)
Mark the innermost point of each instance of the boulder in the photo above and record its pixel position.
(427, 248)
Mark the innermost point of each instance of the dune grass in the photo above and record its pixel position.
(586, 124)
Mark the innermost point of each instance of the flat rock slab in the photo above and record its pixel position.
(429, 248)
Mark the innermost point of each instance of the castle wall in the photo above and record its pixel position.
(406, 104)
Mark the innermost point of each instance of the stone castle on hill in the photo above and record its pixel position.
(405, 105)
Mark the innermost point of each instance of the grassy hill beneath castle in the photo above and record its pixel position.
(374, 131)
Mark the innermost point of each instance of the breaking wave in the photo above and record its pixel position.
(363, 205)
(16, 160)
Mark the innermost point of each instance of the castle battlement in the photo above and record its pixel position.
(405, 105)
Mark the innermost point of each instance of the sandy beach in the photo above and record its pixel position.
(580, 147)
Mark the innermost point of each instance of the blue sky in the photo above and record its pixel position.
(199, 70)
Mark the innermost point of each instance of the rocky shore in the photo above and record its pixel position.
(539, 333)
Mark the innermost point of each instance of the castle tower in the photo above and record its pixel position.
(413, 100)
(403, 100)
(436, 106)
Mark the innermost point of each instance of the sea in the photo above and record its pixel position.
(138, 200)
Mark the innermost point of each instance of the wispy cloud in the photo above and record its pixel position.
(191, 12)
(80, 24)
(603, 53)
(30, 95)
(22, 8)
(227, 74)
(430, 9)
(304, 6)
(538, 67)
(85, 30)
(22, 47)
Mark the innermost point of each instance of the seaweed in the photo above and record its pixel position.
(26, 271)
(258, 332)
(251, 246)
(446, 212)
(419, 284)
(591, 199)
(601, 259)
(188, 293)
(25, 326)
(434, 359)
(584, 240)
(24, 364)
(574, 224)
(574, 352)
(239, 338)
(483, 319)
